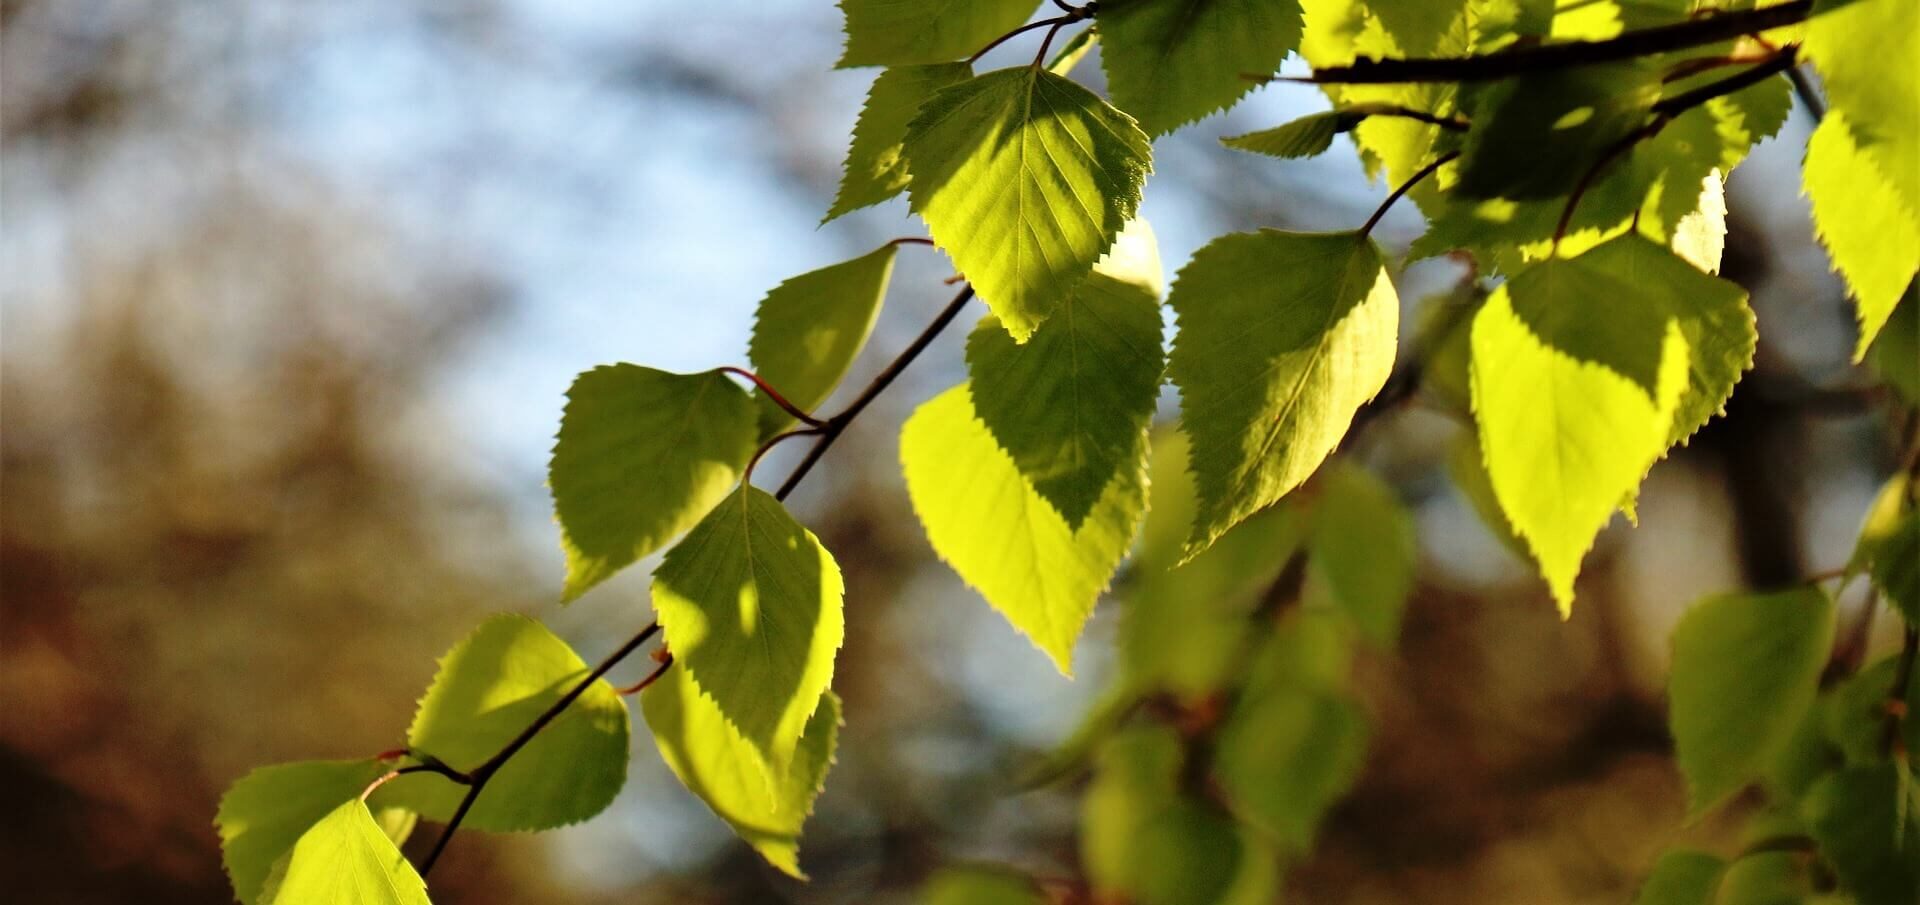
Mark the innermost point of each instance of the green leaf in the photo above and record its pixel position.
(265, 813)
(1170, 62)
(1712, 315)
(345, 859)
(1874, 244)
(876, 165)
(1069, 404)
(766, 807)
(1580, 367)
(1851, 43)
(1286, 756)
(1745, 671)
(1075, 50)
(751, 606)
(1272, 362)
(1304, 137)
(1682, 878)
(1416, 25)
(1864, 819)
(809, 329)
(1535, 136)
(1360, 552)
(1024, 177)
(490, 687)
(1002, 537)
(980, 886)
(1895, 354)
(1141, 840)
(642, 455)
(905, 32)
(1853, 715)
(1896, 566)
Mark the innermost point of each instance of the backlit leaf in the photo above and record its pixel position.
(1304, 137)
(751, 606)
(1745, 671)
(1874, 243)
(1170, 62)
(642, 455)
(1024, 177)
(265, 813)
(345, 859)
(1580, 367)
(1068, 406)
(906, 32)
(876, 167)
(1002, 537)
(490, 687)
(766, 807)
(809, 328)
(1272, 360)
(1852, 43)
(1534, 136)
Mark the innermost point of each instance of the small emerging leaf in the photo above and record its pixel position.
(751, 606)
(1304, 137)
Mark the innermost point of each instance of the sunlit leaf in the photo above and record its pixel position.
(1025, 178)
(751, 606)
(1170, 62)
(1874, 243)
(345, 859)
(1002, 537)
(642, 455)
(766, 807)
(876, 167)
(809, 328)
(1853, 43)
(490, 687)
(265, 813)
(1068, 406)
(1273, 361)
(906, 32)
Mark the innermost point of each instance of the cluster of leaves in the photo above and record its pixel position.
(1596, 338)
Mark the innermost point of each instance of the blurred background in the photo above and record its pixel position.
(291, 294)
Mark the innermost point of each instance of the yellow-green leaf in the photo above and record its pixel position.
(1873, 242)
(906, 32)
(751, 606)
(876, 168)
(809, 329)
(1170, 62)
(345, 859)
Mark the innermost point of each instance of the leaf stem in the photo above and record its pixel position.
(1030, 26)
(774, 395)
(652, 677)
(1542, 57)
(1366, 229)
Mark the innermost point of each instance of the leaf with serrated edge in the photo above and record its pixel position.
(1068, 405)
(264, 814)
(489, 688)
(1304, 137)
(1856, 45)
(642, 455)
(1745, 670)
(1580, 366)
(1874, 245)
(1025, 178)
(906, 32)
(1170, 62)
(1534, 136)
(987, 522)
(809, 328)
(764, 807)
(1272, 362)
(751, 606)
(345, 859)
(876, 169)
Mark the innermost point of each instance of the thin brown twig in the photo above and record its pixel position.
(1366, 229)
(651, 678)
